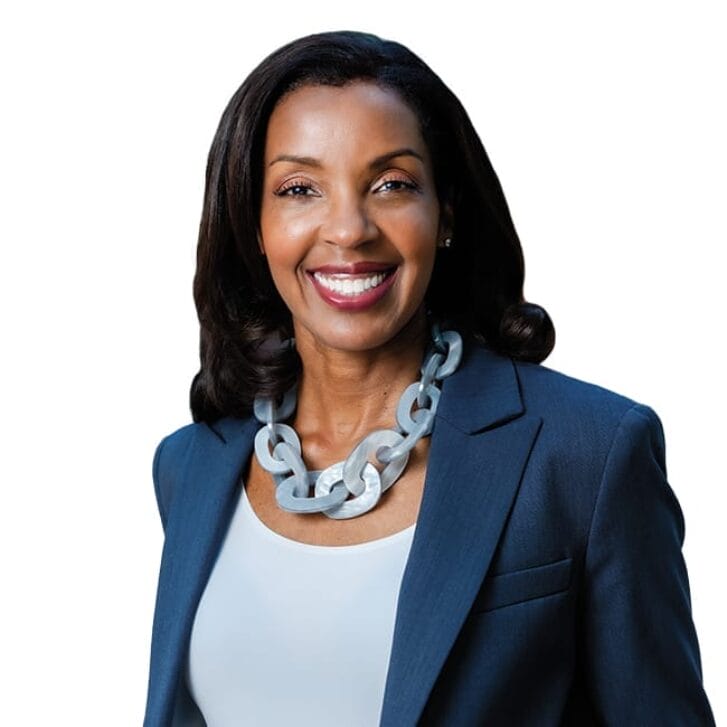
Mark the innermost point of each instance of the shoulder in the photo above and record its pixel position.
(174, 447)
(546, 389)
(586, 417)
(573, 410)
(589, 435)
(170, 457)
(179, 439)
(176, 451)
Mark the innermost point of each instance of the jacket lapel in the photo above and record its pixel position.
(480, 444)
(479, 448)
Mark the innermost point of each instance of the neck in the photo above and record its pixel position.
(343, 395)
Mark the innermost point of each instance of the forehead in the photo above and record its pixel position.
(360, 117)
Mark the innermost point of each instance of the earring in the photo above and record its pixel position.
(447, 242)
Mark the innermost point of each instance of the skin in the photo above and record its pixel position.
(323, 203)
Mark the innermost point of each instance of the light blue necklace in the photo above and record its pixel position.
(278, 449)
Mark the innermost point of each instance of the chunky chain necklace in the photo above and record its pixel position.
(278, 449)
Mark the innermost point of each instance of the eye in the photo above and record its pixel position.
(295, 188)
(397, 185)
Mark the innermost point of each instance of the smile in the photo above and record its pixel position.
(350, 285)
(355, 290)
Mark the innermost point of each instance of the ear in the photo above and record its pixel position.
(260, 245)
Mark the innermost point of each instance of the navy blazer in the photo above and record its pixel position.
(545, 584)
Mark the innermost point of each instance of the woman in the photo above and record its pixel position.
(387, 510)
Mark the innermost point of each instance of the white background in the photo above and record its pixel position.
(605, 123)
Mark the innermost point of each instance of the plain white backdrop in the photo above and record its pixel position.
(605, 123)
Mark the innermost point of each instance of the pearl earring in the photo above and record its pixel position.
(447, 242)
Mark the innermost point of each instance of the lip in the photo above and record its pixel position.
(353, 302)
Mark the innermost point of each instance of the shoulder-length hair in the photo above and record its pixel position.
(476, 284)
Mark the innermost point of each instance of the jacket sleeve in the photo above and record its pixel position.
(168, 466)
(156, 477)
(641, 653)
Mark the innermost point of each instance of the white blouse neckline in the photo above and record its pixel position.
(333, 549)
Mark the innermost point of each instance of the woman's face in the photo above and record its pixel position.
(349, 219)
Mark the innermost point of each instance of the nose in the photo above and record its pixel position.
(348, 222)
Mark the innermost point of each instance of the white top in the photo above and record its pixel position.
(288, 633)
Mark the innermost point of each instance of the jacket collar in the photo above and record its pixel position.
(479, 447)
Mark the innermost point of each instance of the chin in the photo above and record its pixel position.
(354, 341)
(357, 335)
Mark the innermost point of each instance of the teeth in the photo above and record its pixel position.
(346, 285)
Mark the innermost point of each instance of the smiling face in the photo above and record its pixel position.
(349, 220)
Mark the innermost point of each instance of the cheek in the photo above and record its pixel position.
(417, 239)
(284, 236)
(284, 246)
(414, 225)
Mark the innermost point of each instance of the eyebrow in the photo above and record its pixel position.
(377, 162)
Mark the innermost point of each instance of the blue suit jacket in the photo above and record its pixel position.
(545, 583)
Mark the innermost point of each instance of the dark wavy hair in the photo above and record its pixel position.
(476, 285)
